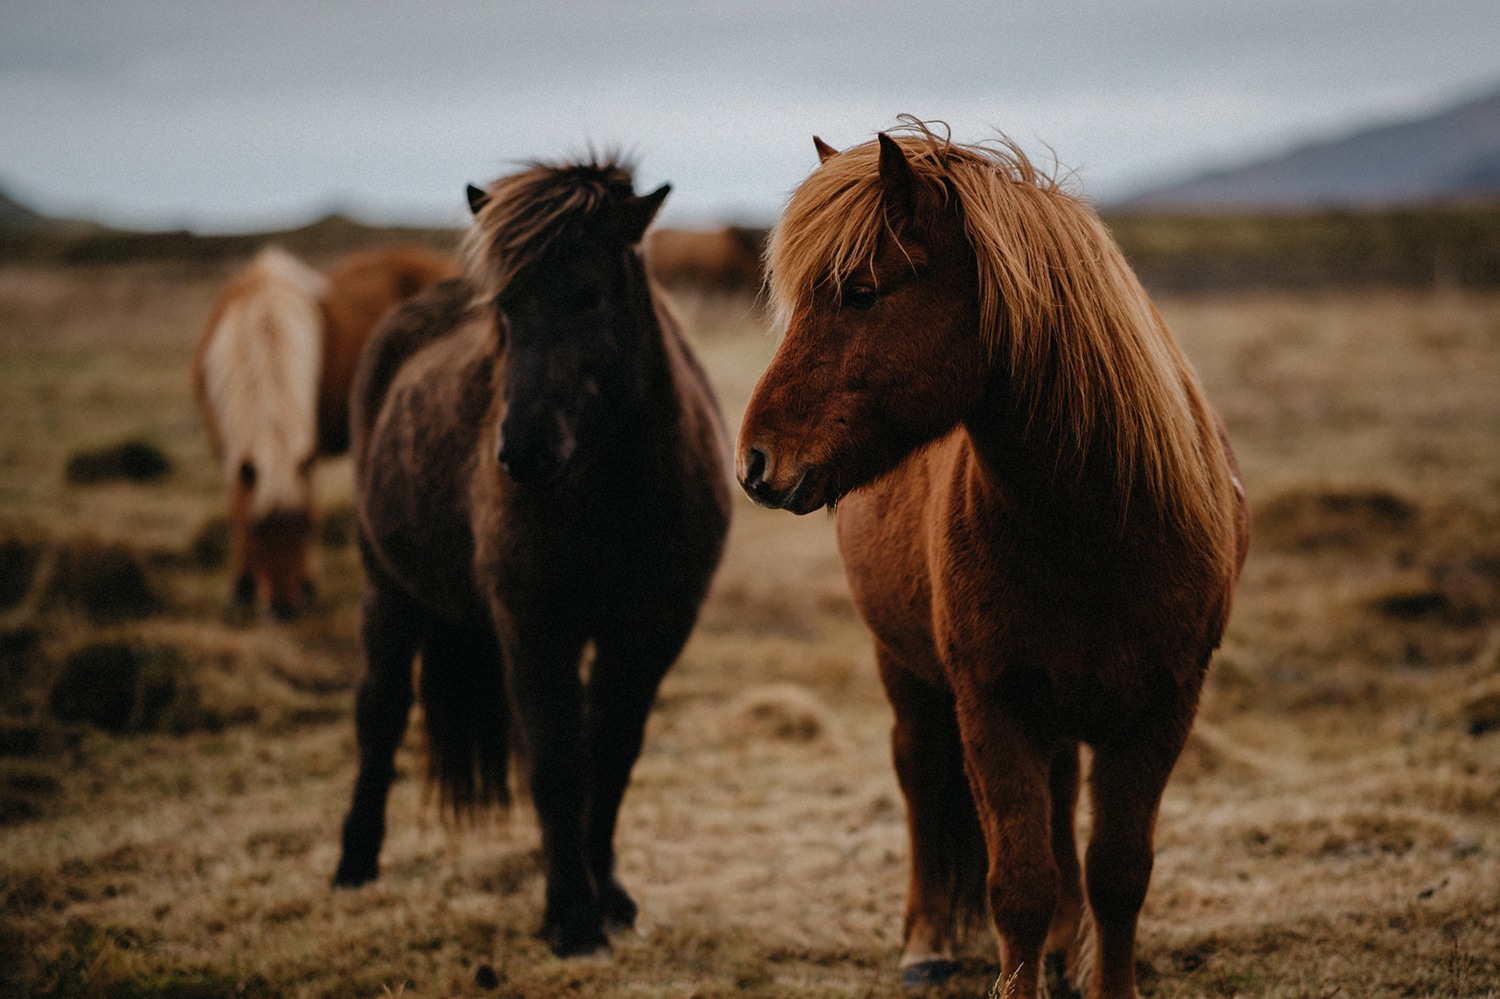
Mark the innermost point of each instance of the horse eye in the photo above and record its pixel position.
(860, 296)
(247, 475)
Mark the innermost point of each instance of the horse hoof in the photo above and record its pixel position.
(618, 908)
(580, 942)
(925, 974)
(353, 875)
(576, 933)
(285, 610)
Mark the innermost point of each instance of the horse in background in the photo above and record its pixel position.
(271, 375)
(539, 468)
(726, 259)
(1039, 515)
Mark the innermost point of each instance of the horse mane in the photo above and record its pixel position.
(260, 364)
(1093, 369)
(526, 213)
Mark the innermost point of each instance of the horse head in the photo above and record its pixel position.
(875, 281)
(564, 318)
(275, 512)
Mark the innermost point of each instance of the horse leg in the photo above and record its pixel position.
(946, 846)
(382, 706)
(1011, 778)
(1062, 935)
(1126, 784)
(627, 670)
(548, 697)
(240, 570)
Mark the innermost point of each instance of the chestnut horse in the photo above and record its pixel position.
(272, 376)
(539, 467)
(1040, 519)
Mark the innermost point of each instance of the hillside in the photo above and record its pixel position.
(13, 214)
(1173, 250)
(1452, 156)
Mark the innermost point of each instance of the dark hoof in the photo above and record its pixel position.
(580, 942)
(351, 875)
(927, 973)
(575, 935)
(284, 610)
(618, 908)
(1059, 986)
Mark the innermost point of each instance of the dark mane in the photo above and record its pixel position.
(526, 213)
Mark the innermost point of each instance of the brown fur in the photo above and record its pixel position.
(1039, 515)
(539, 468)
(363, 288)
(271, 531)
(723, 259)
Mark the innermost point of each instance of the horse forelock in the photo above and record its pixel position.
(1092, 365)
(526, 213)
(260, 371)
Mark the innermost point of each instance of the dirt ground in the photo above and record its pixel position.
(172, 774)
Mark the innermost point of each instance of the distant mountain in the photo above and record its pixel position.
(14, 215)
(1448, 157)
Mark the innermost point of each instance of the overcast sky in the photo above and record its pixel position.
(224, 116)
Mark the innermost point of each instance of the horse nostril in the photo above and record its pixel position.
(755, 466)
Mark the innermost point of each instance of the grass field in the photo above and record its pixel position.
(1333, 829)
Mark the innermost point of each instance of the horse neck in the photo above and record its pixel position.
(1038, 472)
(649, 377)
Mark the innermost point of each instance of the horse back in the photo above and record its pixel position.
(361, 290)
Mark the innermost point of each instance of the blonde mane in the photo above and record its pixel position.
(260, 364)
(524, 214)
(1092, 365)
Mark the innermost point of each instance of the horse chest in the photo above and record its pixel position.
(962, 592)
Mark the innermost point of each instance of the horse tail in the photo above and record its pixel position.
(466, 713)
(432, 314)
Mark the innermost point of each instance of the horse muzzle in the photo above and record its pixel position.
(808, 491)
(538, 453)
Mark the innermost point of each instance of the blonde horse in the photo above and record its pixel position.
(272, 375)
(1039, 515)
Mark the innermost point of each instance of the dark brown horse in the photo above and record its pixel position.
(272, 375)
(1039, 516)
(539, 468)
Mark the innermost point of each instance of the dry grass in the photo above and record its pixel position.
(1333, 830)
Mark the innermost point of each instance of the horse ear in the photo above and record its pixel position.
(636, 213)
(825, 151)
(897, 178)
(477, 199)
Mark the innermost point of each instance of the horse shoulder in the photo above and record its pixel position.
(892, 550)
(432, 315)
(414, 467)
